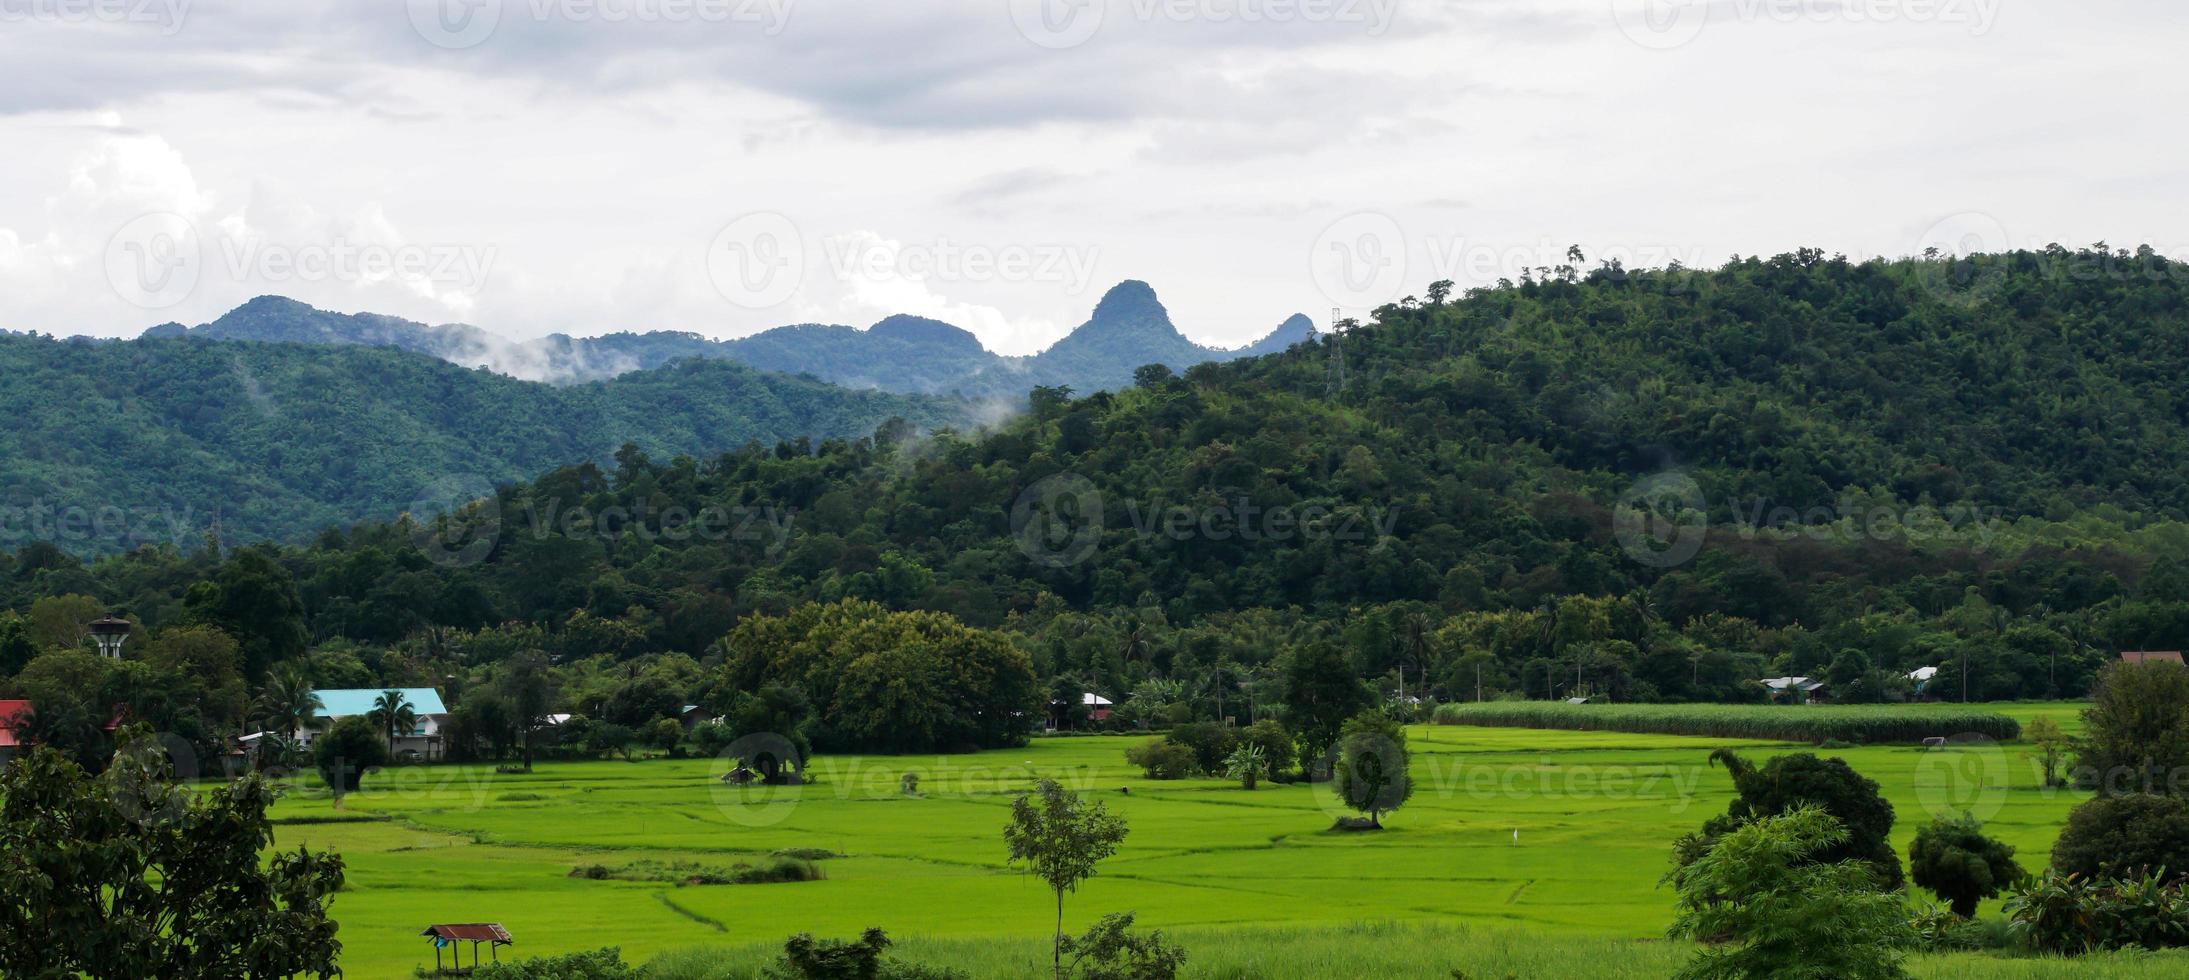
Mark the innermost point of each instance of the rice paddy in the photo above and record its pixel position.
(1538, 843)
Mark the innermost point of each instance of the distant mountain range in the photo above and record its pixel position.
(116, 444)
(903, 354)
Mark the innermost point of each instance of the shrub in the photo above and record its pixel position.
(1110, 951)
(1785, 913)
(1162, 759)
(347, 751)
(2136, 730)
(807, 958)
(1960, 865)
(1276, 744)
(2072, 913)
(599, 964)
(1853, 724)
(1787, 782)
(1209, 742)
(2124, 835)
(1246, 764)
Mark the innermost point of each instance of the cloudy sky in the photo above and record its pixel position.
(723, 166)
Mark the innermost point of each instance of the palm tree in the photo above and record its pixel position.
(289, 705)
(393, 712)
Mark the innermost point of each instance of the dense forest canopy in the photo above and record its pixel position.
(111, 445)
(1977, 465)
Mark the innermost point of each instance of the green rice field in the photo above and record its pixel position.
(1523, 851)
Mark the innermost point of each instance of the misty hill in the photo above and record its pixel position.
(905, 354)
(1983, 462)
(279, 439)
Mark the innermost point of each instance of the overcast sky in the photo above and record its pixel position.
(723, 166)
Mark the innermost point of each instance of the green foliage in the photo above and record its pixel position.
(598, 964)
(2120, 835)
(2074, 914)
(807, 958)
(1209, 742)
(1783, 914)
(775, 870)
(1960, 865)
(347, 751)
(2136, 731)
(1061, 839)
(1790, 782)
(130, 874)
(2051, 746)
(1109, 950)
(314, 437)
(1370, 768)
(1246, 764)
(890, 681)
(1321, 693)
(1161, 758)
(1854, 724)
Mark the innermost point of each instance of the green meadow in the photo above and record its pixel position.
(1525, 851)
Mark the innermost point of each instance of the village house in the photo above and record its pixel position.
(423, 738)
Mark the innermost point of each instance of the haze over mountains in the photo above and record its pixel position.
(903, 354)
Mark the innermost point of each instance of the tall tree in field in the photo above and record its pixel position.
(1788, 914)
(2136, 730)
(1321, 692)
(530, 693)
(1061, 839)
(393, 713)
(1369, 766)
(129, 874)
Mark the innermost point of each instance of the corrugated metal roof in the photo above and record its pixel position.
(342, 703)
(474, 932)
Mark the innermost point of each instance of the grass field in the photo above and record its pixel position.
(1860, 724)
(1243, 877)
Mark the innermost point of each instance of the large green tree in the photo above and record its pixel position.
(130, 874)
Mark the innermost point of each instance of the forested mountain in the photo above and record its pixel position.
(166, 437)
(1975, 465)
(905, 354)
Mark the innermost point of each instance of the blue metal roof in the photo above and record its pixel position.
(358, 701)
